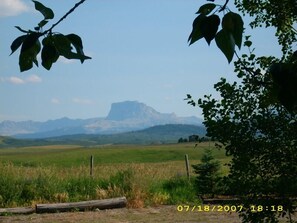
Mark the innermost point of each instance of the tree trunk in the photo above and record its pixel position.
(26, 210)
(82, 206)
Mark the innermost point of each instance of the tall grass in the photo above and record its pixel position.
(141, 184)
(52, 180)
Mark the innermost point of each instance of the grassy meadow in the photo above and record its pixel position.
(146, 175)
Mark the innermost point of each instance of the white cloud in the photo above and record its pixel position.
(82, 101)
(55, 101)
(16, 80)
(33, 79)
(12, 7)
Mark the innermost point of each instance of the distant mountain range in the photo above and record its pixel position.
(124, 116)
(160, 134)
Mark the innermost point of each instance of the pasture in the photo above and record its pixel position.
(73, 156)
(144, 174)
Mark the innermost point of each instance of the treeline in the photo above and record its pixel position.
(194, 138)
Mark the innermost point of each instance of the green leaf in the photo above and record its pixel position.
(28, 55)
(227, 22)
(238, 29)
(206, 9)
(17, 43)
(49, 53)
(234, 24)
(22, 30)
(25, 62)
(45, 11)
(209, 27)
(75, 40)
(248, 43)
(42, 23)
(63, 46)
(196, 33)
(71, 55)
(77, 43)
(225, 41)
(30, 41)
(29, 51)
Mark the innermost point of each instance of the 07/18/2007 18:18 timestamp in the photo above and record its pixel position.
(228, 208)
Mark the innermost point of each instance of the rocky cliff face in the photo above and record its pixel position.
(134, 110)
(130, 110)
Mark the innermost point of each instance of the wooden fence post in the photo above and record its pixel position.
(91, 165)
(187, 166)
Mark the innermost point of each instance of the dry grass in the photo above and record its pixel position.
(54, 174)
(144, 172)
(144, 176)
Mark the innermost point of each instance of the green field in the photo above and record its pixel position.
(73, 156)
(146, 175)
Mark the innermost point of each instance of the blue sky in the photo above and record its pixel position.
(139, 52)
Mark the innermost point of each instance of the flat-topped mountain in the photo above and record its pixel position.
(122, 117)
(132, 110)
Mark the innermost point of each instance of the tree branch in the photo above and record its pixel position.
(64, 17)
(224, 6)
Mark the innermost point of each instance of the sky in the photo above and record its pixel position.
(139, 52)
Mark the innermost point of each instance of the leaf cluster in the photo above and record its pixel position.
(273, 13)
(53, 45)
(206, 26)
(258, 133)
(280, 14)
(284, 76)
(255, 119)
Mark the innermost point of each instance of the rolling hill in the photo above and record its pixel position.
(161, 134)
